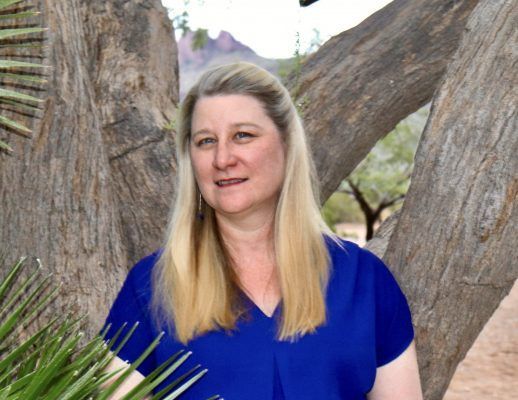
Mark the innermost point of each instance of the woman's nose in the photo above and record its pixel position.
(224, 156)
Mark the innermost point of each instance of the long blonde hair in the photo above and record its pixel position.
(195, 288)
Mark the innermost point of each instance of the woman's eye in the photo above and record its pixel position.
(243, 135)
(205, 141)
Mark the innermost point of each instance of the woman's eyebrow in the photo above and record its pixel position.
(234, 125)
(241, 124)
(199, 132)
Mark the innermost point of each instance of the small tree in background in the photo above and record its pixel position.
(380, 181)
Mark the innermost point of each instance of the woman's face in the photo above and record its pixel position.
(237, 155)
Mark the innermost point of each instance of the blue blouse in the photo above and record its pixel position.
(368, 325)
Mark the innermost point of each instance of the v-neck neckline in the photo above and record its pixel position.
(259, 309)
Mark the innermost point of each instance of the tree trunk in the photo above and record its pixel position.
(454, 246)
(89, 193)
(134, 72)
(362, 82)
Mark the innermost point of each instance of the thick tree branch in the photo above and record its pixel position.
(361, 83)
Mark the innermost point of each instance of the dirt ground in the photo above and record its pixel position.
(490, 369)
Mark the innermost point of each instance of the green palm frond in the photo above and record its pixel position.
(7, 3)
(11, 94)
(10, 33)
(25, 14)
(52, 364)
(17, 64)
(17, 38)
(20, 77)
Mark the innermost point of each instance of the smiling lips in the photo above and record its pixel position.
(230, 182)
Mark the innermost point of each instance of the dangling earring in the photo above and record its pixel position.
(199, 214)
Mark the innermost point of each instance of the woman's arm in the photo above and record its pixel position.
(399, 379)
(129, 383)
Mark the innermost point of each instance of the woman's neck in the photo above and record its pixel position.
(249, 241)
(251, 246)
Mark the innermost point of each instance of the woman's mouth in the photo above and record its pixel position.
(229, 182)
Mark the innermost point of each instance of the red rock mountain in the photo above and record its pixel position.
(222, 50)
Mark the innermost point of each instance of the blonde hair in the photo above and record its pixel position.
(195, 288)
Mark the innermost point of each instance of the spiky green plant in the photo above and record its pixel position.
(52, 364)
(17, 36)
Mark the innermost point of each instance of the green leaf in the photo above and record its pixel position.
(5, 146)
(49, 350)
(22, 382)
(176, 382)
(58, 389)
(35, 309)
(104, 377)
(23, 14)
(132, 367)
(13, 124)
(10, 94)
(125, 339)
(21, 106)
(27, 365)
(89, 355)
(10, 33)
(15, 317)
(81, 385)
(7, 3)
(19, 64)
(5, 392)
(20, 77)
(152, 381)
(44, 375)
(24, 45)
(22, 348)
(12, 274)
(186, 385)
(164, 365)
(18, 292)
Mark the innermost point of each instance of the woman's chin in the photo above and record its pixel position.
(240, 210)
(233, 210)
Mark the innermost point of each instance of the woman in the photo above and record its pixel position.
(250, 278)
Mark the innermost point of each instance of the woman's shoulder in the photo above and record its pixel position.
(342, 250)
(344, 253)
(140, 276)
(143, 268)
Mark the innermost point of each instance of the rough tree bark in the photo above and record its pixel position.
(362, 82)
(454, 245)
(96, 181)
(133, 66)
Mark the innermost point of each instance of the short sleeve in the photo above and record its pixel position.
(394, 330)
(131, 306)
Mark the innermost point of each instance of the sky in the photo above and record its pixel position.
(270, 27)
